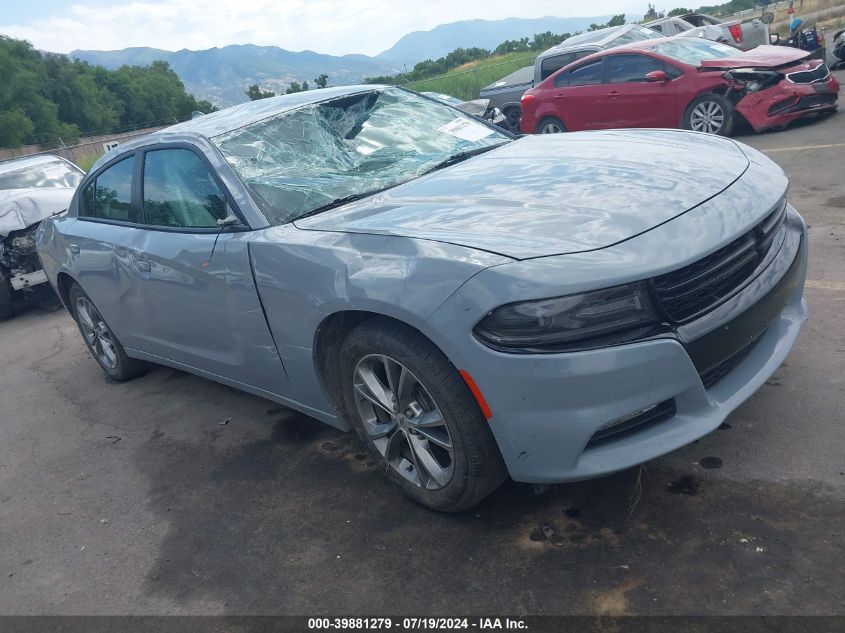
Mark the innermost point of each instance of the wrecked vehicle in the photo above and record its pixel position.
(474, 305)
(31, 189)
(743, 34)
(476, 107)
(506, 93)
(694, 84)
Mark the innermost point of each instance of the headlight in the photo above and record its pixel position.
(609, 315)
(752, 80)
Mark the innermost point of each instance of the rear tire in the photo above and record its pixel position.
(710, 113)
(550, 125)
(424, 427)
(101, 341)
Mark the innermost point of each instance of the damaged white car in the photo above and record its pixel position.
(31, 189)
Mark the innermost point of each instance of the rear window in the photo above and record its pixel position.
(635, 34)
(551, 65)
(587, 74)
(109, 195)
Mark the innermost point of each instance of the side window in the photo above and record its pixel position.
(627, 68)
(587, 75)
(672, 71)
(179, 190)
(551, 65)
(657, 27)
(109, 195)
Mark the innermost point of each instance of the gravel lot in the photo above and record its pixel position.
(134, 498)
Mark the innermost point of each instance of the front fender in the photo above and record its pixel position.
(304, 276)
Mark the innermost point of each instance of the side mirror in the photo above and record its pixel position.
(767, 18)
(657, 75)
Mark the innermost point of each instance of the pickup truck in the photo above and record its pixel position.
(506, 93)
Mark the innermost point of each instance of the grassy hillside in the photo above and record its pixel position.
(465, 82)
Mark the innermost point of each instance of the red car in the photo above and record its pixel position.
(681, 82)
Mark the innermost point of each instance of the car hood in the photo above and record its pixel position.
(760, 57)
(551, 194)
(21, 208)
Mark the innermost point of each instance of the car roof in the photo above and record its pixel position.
(234, 117)
(29, 161)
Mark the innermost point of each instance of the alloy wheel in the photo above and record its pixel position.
(551, 128)
(96, 333)
(707, 116)
(404, 423)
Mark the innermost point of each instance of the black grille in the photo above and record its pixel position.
(688, 292)
(804, 103)
(715, 374)
(643, 421)
(819, 73)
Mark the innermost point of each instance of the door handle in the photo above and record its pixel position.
(613, 93)
(74, 248)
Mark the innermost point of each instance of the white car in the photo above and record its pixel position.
(31, 189)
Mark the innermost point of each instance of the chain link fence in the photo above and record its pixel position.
(86, 150)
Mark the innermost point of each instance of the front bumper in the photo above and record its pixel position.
(786, 101)
(548, 408)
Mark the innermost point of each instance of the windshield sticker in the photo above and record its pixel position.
(466, 129)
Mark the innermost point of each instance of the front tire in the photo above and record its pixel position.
(710, 113)
(416, 416)
(550, 125)
(101, 341)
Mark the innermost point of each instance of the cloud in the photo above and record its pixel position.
(325, 26)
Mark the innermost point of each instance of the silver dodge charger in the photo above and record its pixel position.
(474, 305)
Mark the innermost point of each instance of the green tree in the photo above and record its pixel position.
(678, 11)
(255, 93)
(15, 128)
(322, 81)
(48, 99)
(295, 87)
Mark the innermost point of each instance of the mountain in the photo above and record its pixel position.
(221, 74)
(441, 40)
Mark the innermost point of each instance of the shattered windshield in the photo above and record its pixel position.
(44, 175)
(692, 52)
(301, 161)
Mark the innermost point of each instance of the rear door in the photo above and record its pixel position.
(631, 100)
(577, 94)
(201, 307)
(98, 247)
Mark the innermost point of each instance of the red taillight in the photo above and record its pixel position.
(526, 99)
(736, 32)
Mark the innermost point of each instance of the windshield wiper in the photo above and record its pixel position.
(340, 202)
(462, 156)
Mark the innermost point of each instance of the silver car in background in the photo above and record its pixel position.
(743, 34)
(552, 308)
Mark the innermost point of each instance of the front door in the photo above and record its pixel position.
(631, 100)
(201, 304)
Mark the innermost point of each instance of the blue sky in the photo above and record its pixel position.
(326, 26)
